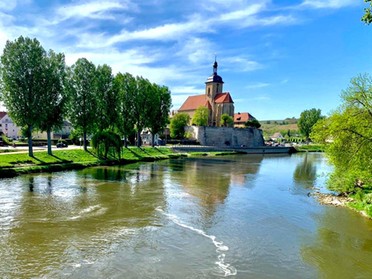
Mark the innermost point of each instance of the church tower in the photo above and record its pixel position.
(213, 85)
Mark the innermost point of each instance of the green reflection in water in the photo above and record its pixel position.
(342, 247)
(72, 216)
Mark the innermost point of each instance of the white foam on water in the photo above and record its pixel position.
(226, 268)
(93, 210)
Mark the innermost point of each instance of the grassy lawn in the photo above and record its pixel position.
(311, 148)
(11, 160)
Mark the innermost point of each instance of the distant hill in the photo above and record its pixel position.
(269, 127)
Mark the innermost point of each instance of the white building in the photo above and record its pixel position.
(9, 128)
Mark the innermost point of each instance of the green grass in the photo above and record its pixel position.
(12, 164)
(311, 148)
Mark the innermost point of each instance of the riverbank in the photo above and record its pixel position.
(342, 201)
(13, 164)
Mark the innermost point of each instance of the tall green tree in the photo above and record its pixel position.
(177, 125)
(22, 79)
(107, 99)
(348, 134)
(125, 86)
(53, 100)
(307, 120)
(200, 117)
(226, 120)
(81, 88)
(141, 102)
(158, 109)
(367, 17)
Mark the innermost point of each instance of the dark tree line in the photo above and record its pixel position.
(39, 91)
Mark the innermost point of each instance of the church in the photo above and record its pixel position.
(217, 102)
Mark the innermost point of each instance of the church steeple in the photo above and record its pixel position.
(215, 65)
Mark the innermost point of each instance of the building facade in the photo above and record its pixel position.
(217, 101)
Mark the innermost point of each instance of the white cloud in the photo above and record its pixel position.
(93, 9)
(257, 85)
(335, 4)
(188, 90)
(242, 64)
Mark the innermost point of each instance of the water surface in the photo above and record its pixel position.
(246, 216)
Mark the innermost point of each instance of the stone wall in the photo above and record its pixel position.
(226, 136)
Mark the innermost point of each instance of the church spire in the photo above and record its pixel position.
(215, 65)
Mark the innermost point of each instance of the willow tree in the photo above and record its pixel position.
(22, 83)
(348, 134)
(81, 87)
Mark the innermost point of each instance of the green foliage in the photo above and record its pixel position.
(104, 142)
(22, 82)
(125, 86)
(252, 123)
(307, 120)
(226, 120)
(107, 99)
(157, 112)
(367, 17)
(201, 116)
(83, 103)
(54, 99)
(177, 125)
(348, 132)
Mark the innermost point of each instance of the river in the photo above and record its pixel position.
(244, 216)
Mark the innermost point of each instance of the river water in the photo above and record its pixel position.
(245, 216)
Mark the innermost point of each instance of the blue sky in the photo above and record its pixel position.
(276, 57)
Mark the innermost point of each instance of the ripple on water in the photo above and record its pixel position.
(224, 268)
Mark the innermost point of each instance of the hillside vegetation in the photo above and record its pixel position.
(270, 127)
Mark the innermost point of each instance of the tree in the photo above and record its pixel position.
(81, 89)
(307, 120)
(54, 99)
(226, 120)
(140, 103)
(252, 123)
(22, 81)
(367, 17)
(201, 116)
(348, 132)
(107, 99)
(160, 102)
(125, 87)
(177, 125)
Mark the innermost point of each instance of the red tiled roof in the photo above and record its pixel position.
(194, 102)
(242, 117)
(2, 114)
(223, 98)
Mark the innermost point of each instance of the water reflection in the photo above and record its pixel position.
(342, 247)
(305, 172)
(75, 216)
(209, 179)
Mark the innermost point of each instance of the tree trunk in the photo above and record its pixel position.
(49, 142)
(125, 141)
(139, 138)
(152, 139)
(30, 151)
(85, 141)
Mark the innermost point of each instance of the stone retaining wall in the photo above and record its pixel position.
(226, 136)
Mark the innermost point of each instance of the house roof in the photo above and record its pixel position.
(2, 114)
(242, 117)
(223, 98)
(194, 102)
